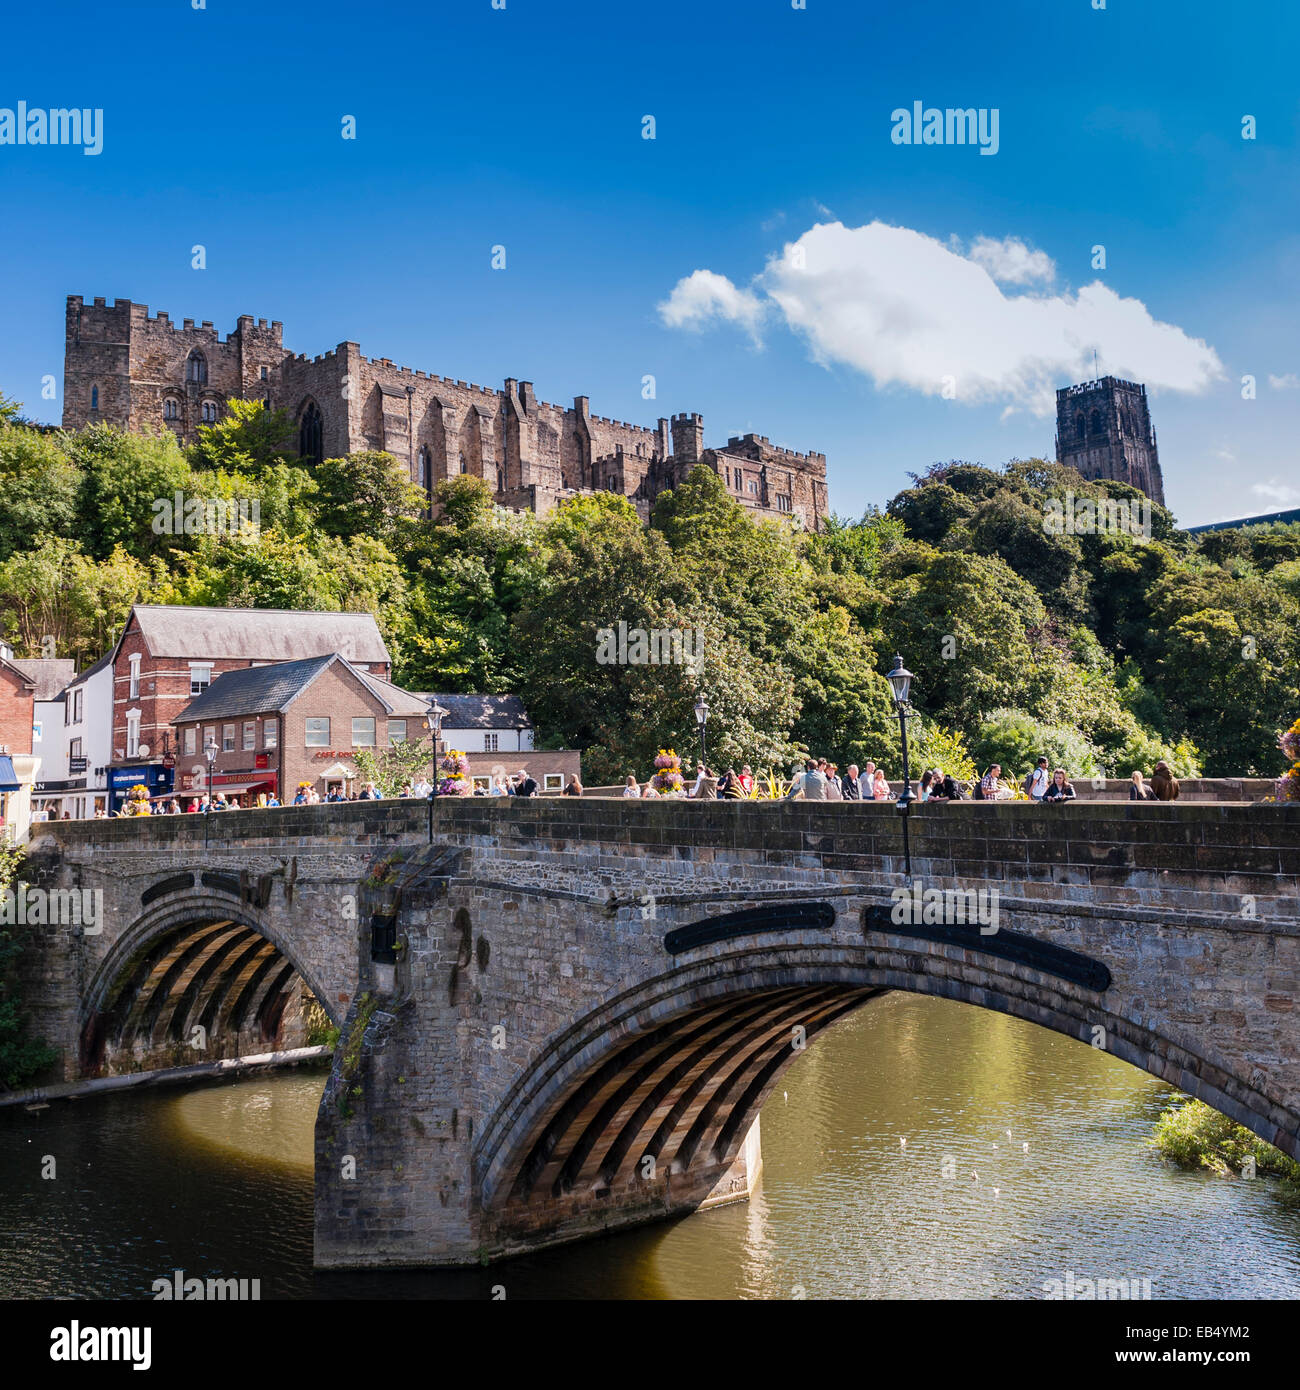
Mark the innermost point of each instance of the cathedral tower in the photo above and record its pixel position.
(1103, 429)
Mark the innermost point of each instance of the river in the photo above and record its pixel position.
(217, 1181)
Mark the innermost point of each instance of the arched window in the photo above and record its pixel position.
(1080, 426)
(1095, 422)
(94, 398)
(209, 412)
(501, 479)
(170, 411)
(423, 461)
(309, 434)
(196, 370)
(460, 465)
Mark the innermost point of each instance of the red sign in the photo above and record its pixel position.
(262, 760)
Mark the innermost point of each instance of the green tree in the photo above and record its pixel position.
(38, 488)
(249, 438)
(122, 477)
(366, 494)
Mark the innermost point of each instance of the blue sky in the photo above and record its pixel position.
(523, 127)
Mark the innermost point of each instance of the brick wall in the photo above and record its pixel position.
(17, 710)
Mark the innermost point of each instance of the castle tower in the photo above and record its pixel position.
(1103, 429)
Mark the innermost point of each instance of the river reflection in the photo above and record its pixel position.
(217, 1181)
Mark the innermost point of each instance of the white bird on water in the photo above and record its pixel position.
(1025, 1147)
(902, 1143)
(995, 1191)
(1008, 1134)
(785, 1096)
(976, 1176)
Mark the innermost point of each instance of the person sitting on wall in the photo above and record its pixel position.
(1163, 782)
(574, 788)
(631, 787)
(730, 788)
(370, 792)
(747, 780)
(1138, 790)
(526, 785)
(1062, 789)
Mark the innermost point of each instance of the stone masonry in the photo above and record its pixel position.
(142, 372)
(562, 1017)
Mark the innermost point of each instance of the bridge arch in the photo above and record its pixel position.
(195, 961)
(658, 1088)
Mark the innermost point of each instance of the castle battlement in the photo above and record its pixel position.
(138, 371)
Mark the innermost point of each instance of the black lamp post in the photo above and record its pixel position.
(702, 719)
(900, 682)
(210, 753)
(436, 715)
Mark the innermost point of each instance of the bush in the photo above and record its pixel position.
(1017, 740)
(1193, 1135)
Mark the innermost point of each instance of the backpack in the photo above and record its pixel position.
(978, 793)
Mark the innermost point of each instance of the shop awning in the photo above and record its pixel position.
(224, 789)
(8, 778)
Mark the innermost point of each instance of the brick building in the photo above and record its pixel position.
(168, 656)
(18, 764)
(275, 727)
(140, 372)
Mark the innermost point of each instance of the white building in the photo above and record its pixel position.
(74, 775)
(485, 723)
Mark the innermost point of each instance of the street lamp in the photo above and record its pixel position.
(702, 719)
(436, 715)
(900, 682)
(210, 753)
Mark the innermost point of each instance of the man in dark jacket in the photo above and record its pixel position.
(526, 786)
(849, 786)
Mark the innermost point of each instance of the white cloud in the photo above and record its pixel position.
(1277, 492)
(906, 310)
(1289, 382)
(1011, 262)
(704, 296)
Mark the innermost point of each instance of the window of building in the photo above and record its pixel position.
(397, 731)
(197, 368)
(209, 738)
(318, 733)
(250, 735)
(269, 732)
(74, 748)
(482, 784)
(171, 410)
(363, 732)
(94, 398)
(310, 434)
(422, 461)
(227, 738)
(78, 712)
(784, 504)
(1095, 422)
(132, 735)
(208, 412)
(266, 371)
(753, 486)
(191, 739)
(501, 479)
(491, 743)
(200, 679)
(1080, 428)
(135, 678)
(553, 781)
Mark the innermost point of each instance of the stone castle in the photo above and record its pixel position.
(1103, 429)
(139, 372)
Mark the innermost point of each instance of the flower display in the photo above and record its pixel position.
(1288, 785)
(454, 778)
(667, 780)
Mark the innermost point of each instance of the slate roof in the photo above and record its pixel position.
(255, 690)
(401, 702)
(258, 634)
(105, 660)
(51, 674)
(483, 711)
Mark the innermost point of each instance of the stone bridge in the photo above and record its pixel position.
(562, 1017)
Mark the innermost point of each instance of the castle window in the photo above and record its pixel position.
(1095, 422)
(208, 412)
(783, 504)
(169, 409)
(753, 486)
(197, 369)
(309, 434)
(266, 371)
(94, 398)
(1080, 426)
(423, 459)
(501, 479)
